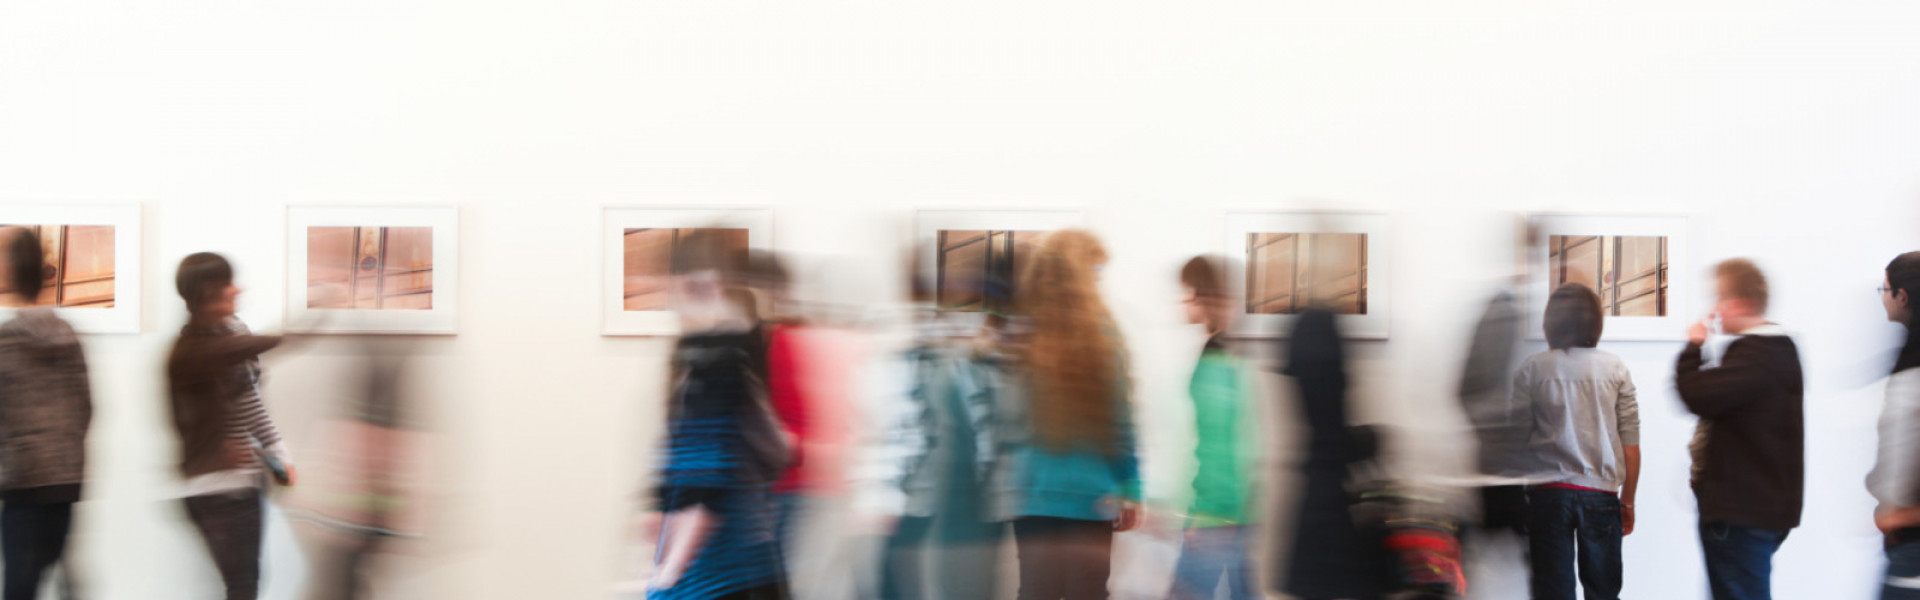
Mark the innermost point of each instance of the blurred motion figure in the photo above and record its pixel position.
(1067, 473)
(1895, 478)
(228, 443)
(46, 407)
(1215, 545)
(724, 449)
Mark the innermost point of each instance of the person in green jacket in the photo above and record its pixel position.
(1215, 545)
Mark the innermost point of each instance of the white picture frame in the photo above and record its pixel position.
(438, 319)
(928, 223)
(1678, 272)
(1375, 268)
(125, 314)
(616, 320)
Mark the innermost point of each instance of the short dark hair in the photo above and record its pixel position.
(1573, 318)
(26, 263)
(765, 270)
(1204, 274)
(201, 274)
(1740, 279)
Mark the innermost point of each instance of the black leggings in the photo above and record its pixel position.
(1063, 559)
(32, 538)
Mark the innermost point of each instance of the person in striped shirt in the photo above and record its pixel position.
(228, 443)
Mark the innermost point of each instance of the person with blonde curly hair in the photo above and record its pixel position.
(1068, 477)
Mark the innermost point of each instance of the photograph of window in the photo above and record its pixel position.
(379, 268)
(1289, 272)
(648, 255)
(79, 265)
(977, 270)
(1629, 272)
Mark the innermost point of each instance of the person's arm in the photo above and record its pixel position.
(1627, 412)
(686, 533)
(1126, 465)
(1892, 481)
(783, 389)
(1714, 392)
(1627, 491)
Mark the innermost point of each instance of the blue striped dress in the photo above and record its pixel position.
(707, 465)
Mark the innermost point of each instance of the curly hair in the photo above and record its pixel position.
(1073, 353)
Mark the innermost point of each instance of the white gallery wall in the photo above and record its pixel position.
(1789, 131)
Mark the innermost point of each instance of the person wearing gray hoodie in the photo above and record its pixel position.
(46, 407)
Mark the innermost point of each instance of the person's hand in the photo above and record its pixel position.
(650, 525)
(1129, 516)
(1698, 332)
(1626, 519)
(291, 476)
(1889, 519)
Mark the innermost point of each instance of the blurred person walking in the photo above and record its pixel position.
(1215, 546)
(924, 469)
(724, 446)
(46, 407)
(1748, 449)
(1895, 479)
(1067, 475)
(1332, 557)
(1586, 428)
(228, 442)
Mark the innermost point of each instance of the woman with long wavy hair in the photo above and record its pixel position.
(1068, 474)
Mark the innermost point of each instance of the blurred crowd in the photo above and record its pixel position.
(993, 450)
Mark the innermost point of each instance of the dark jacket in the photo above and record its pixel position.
(1754, 461)
(208, 371)
(46, 405)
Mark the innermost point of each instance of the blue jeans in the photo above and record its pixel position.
(1208, 555)
(1574, 526)
(1903, 572)
(1740, 560)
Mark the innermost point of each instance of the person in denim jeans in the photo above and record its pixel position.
(1748, 448)
(1586, 425)
(1895, 479)
(1215, 544)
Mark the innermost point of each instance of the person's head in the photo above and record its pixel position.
(26, 264)
(1574, 318)
(1742, 292)
(704, 273)
(205, 282)
(1208, 302)
(1901, 288)
(1072, 346)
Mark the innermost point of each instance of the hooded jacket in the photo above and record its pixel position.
(46, 406)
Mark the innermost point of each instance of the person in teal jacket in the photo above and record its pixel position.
(1067, 475)
(1215, 544)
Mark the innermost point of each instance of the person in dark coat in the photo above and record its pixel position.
(1331, 557)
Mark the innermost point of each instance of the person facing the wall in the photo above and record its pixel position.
(46, 406)
(1068, 476)
(1586, 426)
(1215, 544)
(1748, 449)
(228, 443)
(1895, 479)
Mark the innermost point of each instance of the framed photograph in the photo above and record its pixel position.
(1291, 261)
(975, 258)
(638, 248)
(92, 257)
(1629, 260)
(367, 269)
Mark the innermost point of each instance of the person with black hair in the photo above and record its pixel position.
(1895, 479)
(228, 443)
(1586, 432)
(46, 406)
